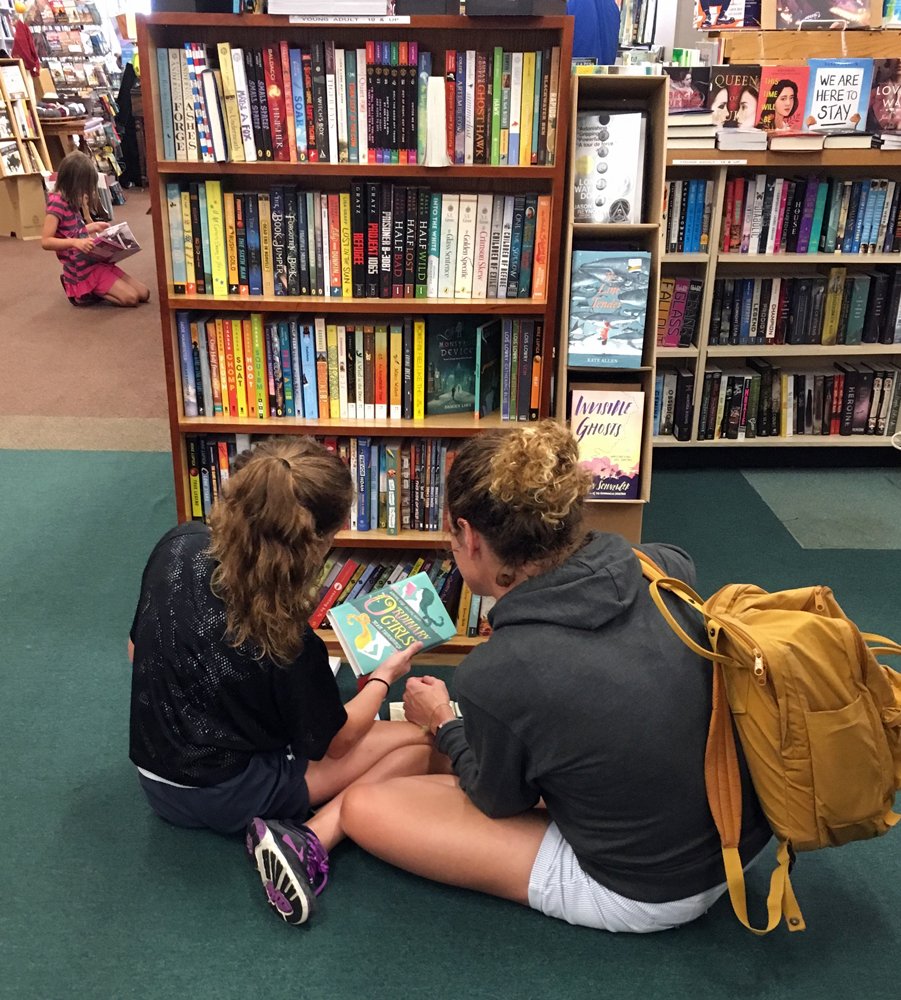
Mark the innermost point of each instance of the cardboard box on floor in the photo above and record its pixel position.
(22, 206)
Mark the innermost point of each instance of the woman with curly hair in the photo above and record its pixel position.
(236, 719)
(578, 785)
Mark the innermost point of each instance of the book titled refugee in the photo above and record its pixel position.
(115, 244)
(376, 625)
(607, 420)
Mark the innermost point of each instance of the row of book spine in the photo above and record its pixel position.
(377, 240)
(326, 104)
(858, 398)
(678, 311)
(254, 367)
(832, 308)
(770, 215)
(687, 210)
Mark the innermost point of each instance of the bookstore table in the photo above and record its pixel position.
(60, 134)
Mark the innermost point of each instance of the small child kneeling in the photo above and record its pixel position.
(68, 232)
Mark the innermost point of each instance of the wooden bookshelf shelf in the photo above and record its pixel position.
(354, 170)
(380, 539)
(814, 259)
(796, 440)
(849, 159)
(801, 350)
(608, 231)
(676, 353)
(684, 258)
(449, 425)
(356, 307)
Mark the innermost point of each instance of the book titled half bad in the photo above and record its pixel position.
(372, 627)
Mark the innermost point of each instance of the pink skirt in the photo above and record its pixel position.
(98, 281)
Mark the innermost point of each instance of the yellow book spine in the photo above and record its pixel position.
(266, 243)
(419, 369)
(395, 370)
(216, 222)
(223, 377)
(346, 255)
(194, 491)
(190, 280)
(783, 405)
(462, 621)
(334, 400)
(231, 242)
(240, 371)
(250, 369)
(259, 364)
(417, 566)
(528, 106)
(230, 100)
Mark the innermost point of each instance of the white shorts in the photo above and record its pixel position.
(559, 888)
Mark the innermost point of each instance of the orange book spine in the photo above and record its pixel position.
(250, 371)
(213, 354)
(542, 238)
(288, 91)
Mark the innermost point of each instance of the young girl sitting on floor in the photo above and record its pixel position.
(68, 232)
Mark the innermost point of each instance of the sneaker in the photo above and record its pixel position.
(292, 864)
(725, 21)
(706, 23)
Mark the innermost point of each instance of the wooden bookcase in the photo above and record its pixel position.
(22, 194)
(718, 165)
(435, 34)
(619, 93)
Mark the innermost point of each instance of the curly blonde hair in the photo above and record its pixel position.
(523, 490)
(271, 530)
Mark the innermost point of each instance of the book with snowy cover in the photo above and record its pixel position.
(607, 421)
(372, 627)
(609, 167)
(608, 304)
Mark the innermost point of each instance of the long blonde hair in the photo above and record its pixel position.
(271, 530)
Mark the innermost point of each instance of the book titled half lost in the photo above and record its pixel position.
(374, 626)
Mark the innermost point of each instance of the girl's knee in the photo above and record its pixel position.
(359, 807)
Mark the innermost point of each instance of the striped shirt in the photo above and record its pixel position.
(76, 265)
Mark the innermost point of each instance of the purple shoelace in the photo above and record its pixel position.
(313, 856)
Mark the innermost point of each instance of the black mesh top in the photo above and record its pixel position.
(200, 708)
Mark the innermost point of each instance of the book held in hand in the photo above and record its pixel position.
(608, 306)
(115, 244)
(606, 420)
(372, 627)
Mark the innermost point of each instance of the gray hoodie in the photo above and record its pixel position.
(583, 696)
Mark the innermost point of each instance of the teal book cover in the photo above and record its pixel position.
(450, 365)
(488, 368)
(372, 627)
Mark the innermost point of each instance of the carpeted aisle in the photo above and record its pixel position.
(101, 900)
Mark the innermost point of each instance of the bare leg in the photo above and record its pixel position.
(388, 750)
(139, 286)
(122, 294)
(427, 825)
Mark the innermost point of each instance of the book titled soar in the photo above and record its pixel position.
(372, 627)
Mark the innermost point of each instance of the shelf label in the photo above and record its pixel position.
(709, 163)
(348, 19)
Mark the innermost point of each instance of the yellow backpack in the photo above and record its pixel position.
(819, 721)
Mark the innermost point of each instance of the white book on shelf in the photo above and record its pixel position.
(515, 107)
(436, 116)
(341, 105)
(362, 113)
(213, 99)
(482, 246)
(750, 194)
(342, 373)
(675, 214)
(469, 119)
(774, 216)
(757, 214)
(450, 208)
(466, 236)
(773, 311)
(503, 267)
(331, 101)
(359, 376)
(250, 146)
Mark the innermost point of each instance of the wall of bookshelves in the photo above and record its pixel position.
(609, 93)
(712, 352)
(170, 175)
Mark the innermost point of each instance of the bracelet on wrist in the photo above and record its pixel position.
(382, 681)
(443, 704)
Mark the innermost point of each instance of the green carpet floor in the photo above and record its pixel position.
(101, 900)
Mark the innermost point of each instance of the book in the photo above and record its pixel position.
(373, 626)
(885, 96)
(733, 94)
(608, 307)
(450, 364)
(782, 98)
(823, 15)
(838, 96)
(609, 167)
(606, 421)
(114, 244)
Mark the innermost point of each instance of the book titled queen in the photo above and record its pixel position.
(370, 628)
